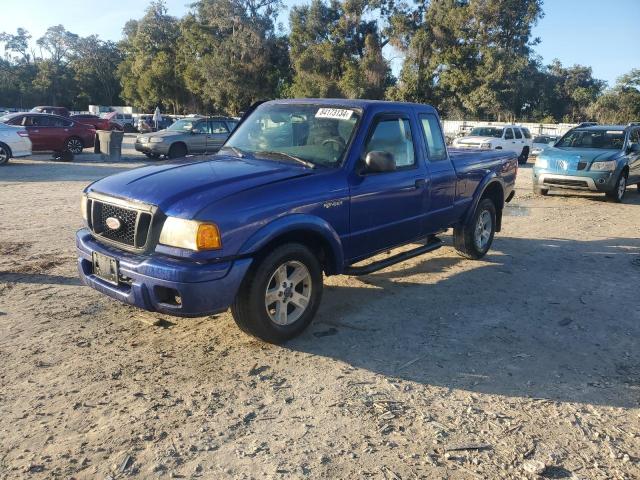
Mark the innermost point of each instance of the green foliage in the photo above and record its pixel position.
(148, 71)
(230, 54)
(468, 58)
(336, 51)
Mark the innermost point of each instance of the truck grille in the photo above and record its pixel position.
(133, 229)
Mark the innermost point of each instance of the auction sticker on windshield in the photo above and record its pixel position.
(335, 113)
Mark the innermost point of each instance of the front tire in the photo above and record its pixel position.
(617, 194)
(540, 191)
(280, 295)
(177, 150)
(74, 145)
(473, 240)
(153, 156)
(5, 154)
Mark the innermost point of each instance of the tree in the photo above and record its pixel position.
(148, 72)
(336, 51)
(469, 57)
(95, 65)
(621, 104)
(231, 55)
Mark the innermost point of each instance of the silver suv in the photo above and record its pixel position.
(187, 136)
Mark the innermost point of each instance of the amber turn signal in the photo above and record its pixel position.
(208, 237)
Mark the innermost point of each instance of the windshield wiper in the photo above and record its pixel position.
(299, 160)
(235, 150)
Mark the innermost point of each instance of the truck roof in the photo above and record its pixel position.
(354, 103)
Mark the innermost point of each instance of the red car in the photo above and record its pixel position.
(97, 122)
(52, 132)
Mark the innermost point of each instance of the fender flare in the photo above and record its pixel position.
(297, 222)
(487, 181)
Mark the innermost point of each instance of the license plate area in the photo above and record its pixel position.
(105, 268)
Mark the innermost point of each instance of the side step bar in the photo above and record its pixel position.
(433, 244)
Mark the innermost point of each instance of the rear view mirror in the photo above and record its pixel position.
(377, 161)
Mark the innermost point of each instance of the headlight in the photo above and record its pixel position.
(542, 163)
(485, 145)
(190, 234)
(156, 139)
(84, 205)
(604, 166)
(143, 139)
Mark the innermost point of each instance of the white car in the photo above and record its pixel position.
(511, 138)
(541, 142)
(14, 142)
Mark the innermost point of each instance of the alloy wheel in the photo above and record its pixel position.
(288, 293)
(483, 230)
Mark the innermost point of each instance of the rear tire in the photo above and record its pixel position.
(280, 294)
(473, 240)
(177, 150)
(617, 194)
(540, 191)
(524, 156)
(5, 154)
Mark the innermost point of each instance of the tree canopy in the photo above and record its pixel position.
(468, 58)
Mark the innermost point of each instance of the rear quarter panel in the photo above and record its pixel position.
(476, 169)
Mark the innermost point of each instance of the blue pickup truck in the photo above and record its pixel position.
(302, 188)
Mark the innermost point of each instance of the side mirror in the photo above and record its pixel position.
(378, 162)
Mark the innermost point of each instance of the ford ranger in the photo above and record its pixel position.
(300, 189)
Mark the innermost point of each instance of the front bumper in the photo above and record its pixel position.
(591, 181)
(154, 148)
(151, 282)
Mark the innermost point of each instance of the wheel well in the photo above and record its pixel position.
(175, 144)
(312, 240)
(4, 145)
(495, 193)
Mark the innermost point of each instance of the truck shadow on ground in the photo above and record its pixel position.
(37, 278)
(554, 319)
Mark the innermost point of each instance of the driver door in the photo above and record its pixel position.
(388, 209)
(217, 135)
(198, 138)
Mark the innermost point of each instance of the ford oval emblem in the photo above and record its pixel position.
(113, 223)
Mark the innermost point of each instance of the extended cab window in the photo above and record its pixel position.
(634, 138)
(393, 135)
(433, 135)
(508, 134)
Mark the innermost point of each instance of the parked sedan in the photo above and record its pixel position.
(95, 121)
(14, 142)
(603, 158)
(54, 133)
(187, 136)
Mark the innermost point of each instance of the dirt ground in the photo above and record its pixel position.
(436, 368)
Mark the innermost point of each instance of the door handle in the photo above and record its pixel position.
(420, 183)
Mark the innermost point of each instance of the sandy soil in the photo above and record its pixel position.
(436, 368)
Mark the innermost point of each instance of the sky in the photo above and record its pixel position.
(602, 34)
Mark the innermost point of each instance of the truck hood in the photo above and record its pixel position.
(184, 187)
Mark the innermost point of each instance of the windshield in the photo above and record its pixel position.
(183, 125)
(314, 133)
(544, 139)
(604, 139)
(486, 132)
